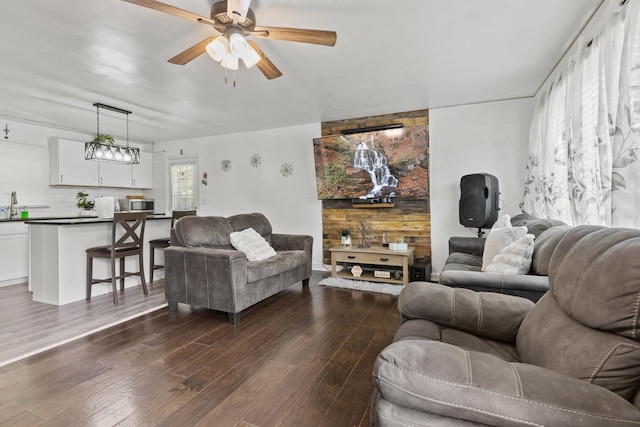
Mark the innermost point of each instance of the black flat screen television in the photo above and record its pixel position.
(386, 163)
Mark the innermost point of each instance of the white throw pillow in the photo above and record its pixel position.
(515, 258)
(502, 221)
(249, 241)
(498, 239)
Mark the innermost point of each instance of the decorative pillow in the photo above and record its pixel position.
(502, 222)
(515, 258)
(498, 239)
(249, 241)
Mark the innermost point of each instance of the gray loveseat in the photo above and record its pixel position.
(202, 268)
(463, 265)
(463, 358)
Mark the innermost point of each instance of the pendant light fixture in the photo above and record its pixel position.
(103, 148)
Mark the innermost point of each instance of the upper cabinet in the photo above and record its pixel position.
(67, 166)
(142, 174)
(114, 174)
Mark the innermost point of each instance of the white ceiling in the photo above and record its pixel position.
(58, 58)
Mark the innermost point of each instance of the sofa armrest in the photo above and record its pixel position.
(486, 314)
(446, 380)
(204, 276)
(467, 245)
(290, 242)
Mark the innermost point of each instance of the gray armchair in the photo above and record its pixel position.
(462, 357)
(202, 268)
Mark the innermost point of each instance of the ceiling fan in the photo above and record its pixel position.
(235, 21)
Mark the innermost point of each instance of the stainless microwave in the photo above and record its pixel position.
(136, 205)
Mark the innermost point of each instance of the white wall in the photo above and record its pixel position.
(290, 203)
(481, 138)
(24, 168)
(490, 137)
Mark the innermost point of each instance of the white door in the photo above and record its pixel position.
(183, 188)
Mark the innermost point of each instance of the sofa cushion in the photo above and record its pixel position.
(255, 247)
(462, 261)
(281, 262)
(594, 274)
(551, 339)
(198, 231)
(593, 306)
(498, 239)
(515, 258)
(449, 381)
(535, 225)
(420, 329)
(544, 246)
(257, 221)
(464, 309)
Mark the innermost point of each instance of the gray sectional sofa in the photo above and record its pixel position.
(202, 268)
(463, 265)
(467, 358)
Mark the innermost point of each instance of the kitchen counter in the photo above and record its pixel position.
(49, 218)
(82, 220)
(57, 257)
(18, 219)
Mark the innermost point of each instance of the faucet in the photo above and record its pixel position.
(14, 202)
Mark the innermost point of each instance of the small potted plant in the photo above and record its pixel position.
(84, 203)
(345, 237)
(104, 139)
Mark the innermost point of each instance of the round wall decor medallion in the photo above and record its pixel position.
(286, 169)
(256, 160)
(225, 165)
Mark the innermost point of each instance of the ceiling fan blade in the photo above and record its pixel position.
(237, 10)
(322, 37)
(265, 65)
(192, 53)
(171, 10)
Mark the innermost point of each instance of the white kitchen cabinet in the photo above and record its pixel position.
(14, 253)
(67, 165)
(142, 173)
(114, 174)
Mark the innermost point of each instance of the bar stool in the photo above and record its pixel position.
(163, 242)
(129, 244)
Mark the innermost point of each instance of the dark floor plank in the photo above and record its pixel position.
(303, 357)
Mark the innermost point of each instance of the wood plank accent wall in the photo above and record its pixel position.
(409, 219)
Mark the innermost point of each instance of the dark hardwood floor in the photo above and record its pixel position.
(301, 358)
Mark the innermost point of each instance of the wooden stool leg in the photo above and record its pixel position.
(89, 275)
(144, 283)
(152, 252)
(113, 281)
(122, 265)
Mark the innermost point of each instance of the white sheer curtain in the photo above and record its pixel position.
(584, 156)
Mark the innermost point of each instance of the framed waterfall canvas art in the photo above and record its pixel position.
(386, 163)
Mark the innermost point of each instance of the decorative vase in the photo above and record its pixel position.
(345, 240)
(356, 270)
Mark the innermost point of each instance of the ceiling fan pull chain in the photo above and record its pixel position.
(234, 78)
(225, 76)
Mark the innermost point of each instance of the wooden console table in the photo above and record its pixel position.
(373, 258)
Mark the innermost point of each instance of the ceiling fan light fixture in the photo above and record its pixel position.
(230, 62)
(238, 45)
(219, 48)
(251, 58)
